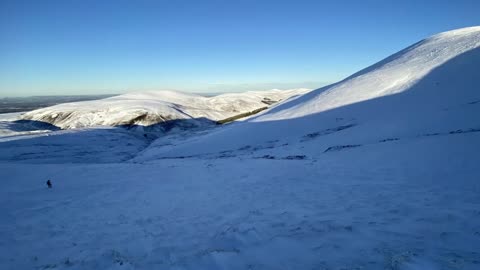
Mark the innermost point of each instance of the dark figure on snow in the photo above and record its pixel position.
(49, 183)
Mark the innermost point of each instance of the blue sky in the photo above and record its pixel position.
(95, 47)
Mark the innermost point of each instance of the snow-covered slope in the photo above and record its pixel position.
(12, 125)
(369, 208)
(396, 74)
(431, 87)
(380, 178)
(149, 108)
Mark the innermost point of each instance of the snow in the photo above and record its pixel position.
(100, 145)
(150, 108)
(10, 126)
(362, 174)
(440, 95)
(354, 209)
(395, 74)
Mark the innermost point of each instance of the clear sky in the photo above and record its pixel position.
(94, 46)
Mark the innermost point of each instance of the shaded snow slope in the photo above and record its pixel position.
(430, 88)
(99, 145)
(149, 108)
(376, 207)
(11, 125)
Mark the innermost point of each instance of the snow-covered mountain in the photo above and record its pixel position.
(431, 87)
(378, 171)
(150, 108)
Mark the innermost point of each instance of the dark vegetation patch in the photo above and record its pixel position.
(145, 117)
(56, 118)
(297, 157)
(261, 147)
(269, 101)
(470, 130)
(267, 157)
(238, 116)
(243, 148)
(292, 157)
(458, 131)
(341, 147)
(179, 157)
(163, 124)
(313, 135)
(389, 140)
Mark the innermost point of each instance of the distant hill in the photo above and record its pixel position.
(158, 110)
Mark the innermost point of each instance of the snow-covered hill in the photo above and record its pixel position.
(429, 88)
(150, 108)
(379, 171)
(421, 68)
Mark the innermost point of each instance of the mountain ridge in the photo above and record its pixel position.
(436, 93)
(157, 107)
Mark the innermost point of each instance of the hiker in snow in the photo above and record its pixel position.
(49, 183)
